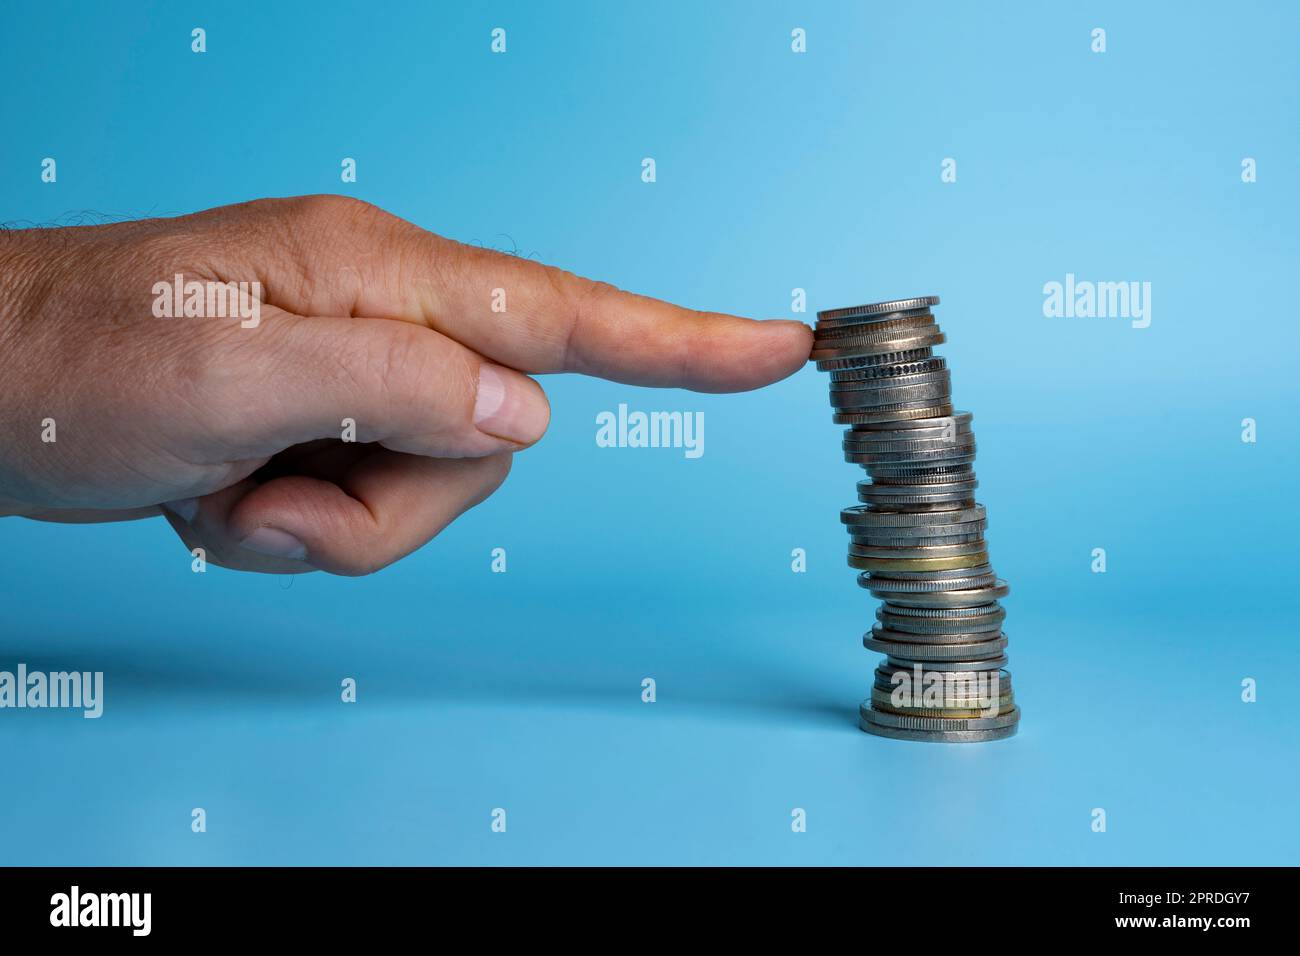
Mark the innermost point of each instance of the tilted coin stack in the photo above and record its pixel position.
(918, 536)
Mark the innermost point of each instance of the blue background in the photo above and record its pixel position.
(775, 171)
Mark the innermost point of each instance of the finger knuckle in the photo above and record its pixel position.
(330, 209)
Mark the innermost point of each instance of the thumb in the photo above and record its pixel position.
(409, 388)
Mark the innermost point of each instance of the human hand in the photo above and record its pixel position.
(232, 427)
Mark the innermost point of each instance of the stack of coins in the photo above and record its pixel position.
(918, 536)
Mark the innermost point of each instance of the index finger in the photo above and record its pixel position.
(330, 255)
(538, 318)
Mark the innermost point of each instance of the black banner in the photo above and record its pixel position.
(335, 904)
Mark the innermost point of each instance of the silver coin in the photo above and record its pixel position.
(888, 382)
(847, 324)
(919, 474)
(909, 721)
(857, 515)
(881, 326)
(963, 486)
(944, 477)
(960, 598)
(910, 533)
(920, 506)
(938, 502)
(930, 453)
(888, 433)
(924, 541)
(903, 321)
(918, 332)
(890, 413)
(830, 328)
(876, 308)
(931, 551)
(876, 361)
(843, 356)
(891, 616)
(934, 363)
(909, 450)
(882, 633)
(888, 588)
(940, 421)
(938, 736)
(970, 651)
(859, 400)
(945, 613)
(925, 441)
(964, 689)
(950, 670)
(904, 575)
(923, 627)
(953, 666)
(949, 455)
(831, 331)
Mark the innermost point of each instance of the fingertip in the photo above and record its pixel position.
(763, 352)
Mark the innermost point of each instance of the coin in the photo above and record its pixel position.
(937, 574)
(930, 551)
(915, 564)
(883, 633)
(941, 421)
(910, 722)
(907, 650)
(975, 536)
(938, 736)
(879, 327)
(926, 626)
(955, 676)
(872, 442)
(967, 707)
(957, 667)
(829, 357)
(920, 473)
(918, 534)
(956, 598)
(891, 413)
(933, 364)
(868, 490)
(876, 308)
(938, 723)
(858, 515)
(944, 613)
(891, 382)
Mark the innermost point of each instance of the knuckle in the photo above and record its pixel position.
(585, 297)
(329, 209)
(591, 294)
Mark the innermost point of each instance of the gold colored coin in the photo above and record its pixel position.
(919, 564)
(973, 708)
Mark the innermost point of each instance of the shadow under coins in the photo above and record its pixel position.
(138, 681)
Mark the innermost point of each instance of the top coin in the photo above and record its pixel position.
(876, 308)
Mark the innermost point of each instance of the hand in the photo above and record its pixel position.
(233, 425)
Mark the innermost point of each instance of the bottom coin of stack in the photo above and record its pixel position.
(918, 535)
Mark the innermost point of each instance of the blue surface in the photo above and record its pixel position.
(775, 170)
